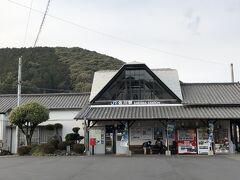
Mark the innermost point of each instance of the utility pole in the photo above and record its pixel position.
(232, 73)
(19, 80)
(18, 97)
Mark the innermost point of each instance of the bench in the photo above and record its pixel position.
(138, 149)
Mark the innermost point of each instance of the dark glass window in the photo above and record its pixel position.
(135, 85)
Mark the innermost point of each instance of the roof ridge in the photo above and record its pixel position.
(211, 83)
(164, 69)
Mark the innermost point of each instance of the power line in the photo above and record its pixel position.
(28, 20)
(49, 89)
(40, 29)
(121, 39)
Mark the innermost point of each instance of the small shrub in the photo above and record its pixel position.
(47, 148)
(58, 126)
(49, 127)
(71, 138)
(24, 150)
(62, 145)
(75, 129)
(79, 148)
(36, 151)
(5, 152)
(53, 141)
(80, 138)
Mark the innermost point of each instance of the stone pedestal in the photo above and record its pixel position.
(88, 153)
(168, 153)
(210, 153)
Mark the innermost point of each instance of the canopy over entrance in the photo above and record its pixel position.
(158, 113)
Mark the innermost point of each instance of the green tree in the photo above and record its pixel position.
(27, 117)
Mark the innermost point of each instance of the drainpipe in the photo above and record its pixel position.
(11, 134)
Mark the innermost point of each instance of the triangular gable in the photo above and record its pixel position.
(100, 79)
(135, 82)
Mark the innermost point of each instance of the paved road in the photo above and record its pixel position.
(120, 168)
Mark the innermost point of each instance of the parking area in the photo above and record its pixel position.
(151, 167)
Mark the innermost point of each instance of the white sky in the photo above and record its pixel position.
(206, 31)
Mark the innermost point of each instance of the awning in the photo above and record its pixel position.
(158, 113)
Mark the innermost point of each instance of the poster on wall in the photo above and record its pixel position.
(98, 134)
(147, 133)
(202, 140)
(186, 141)
(158, 133)
(136, 133)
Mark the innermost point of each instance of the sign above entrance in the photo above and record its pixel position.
(132, 102)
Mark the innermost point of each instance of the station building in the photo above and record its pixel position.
(136, 104)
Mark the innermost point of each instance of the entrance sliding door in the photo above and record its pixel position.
(110, 142)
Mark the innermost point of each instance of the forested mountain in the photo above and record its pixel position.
(49, 70)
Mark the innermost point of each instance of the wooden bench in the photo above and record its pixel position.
(138, 149)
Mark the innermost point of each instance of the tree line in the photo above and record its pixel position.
(52, 69)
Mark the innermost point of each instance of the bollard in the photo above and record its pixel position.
(92, 149)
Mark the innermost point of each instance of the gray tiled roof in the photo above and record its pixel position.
(51, 101)
(211, 93)
(159, 112)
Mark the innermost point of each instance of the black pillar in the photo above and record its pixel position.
(235, 136)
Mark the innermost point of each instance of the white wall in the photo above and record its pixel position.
(3, 122)
(66, 118)
(1, 126)
(8, 139)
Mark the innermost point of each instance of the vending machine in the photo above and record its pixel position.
(187, 141)
(221, 141)
(202, 140)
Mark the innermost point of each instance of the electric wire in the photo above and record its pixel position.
(121, 39)
(27, 26)
(43, 20)
(49, 89)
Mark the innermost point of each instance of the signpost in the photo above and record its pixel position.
(170, 131)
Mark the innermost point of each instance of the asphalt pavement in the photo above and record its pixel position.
(150, 167)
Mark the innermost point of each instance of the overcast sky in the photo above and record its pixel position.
(199, 38)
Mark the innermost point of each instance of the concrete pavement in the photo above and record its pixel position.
(152, 167)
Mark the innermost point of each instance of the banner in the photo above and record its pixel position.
(124, 140)
(170, 131)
